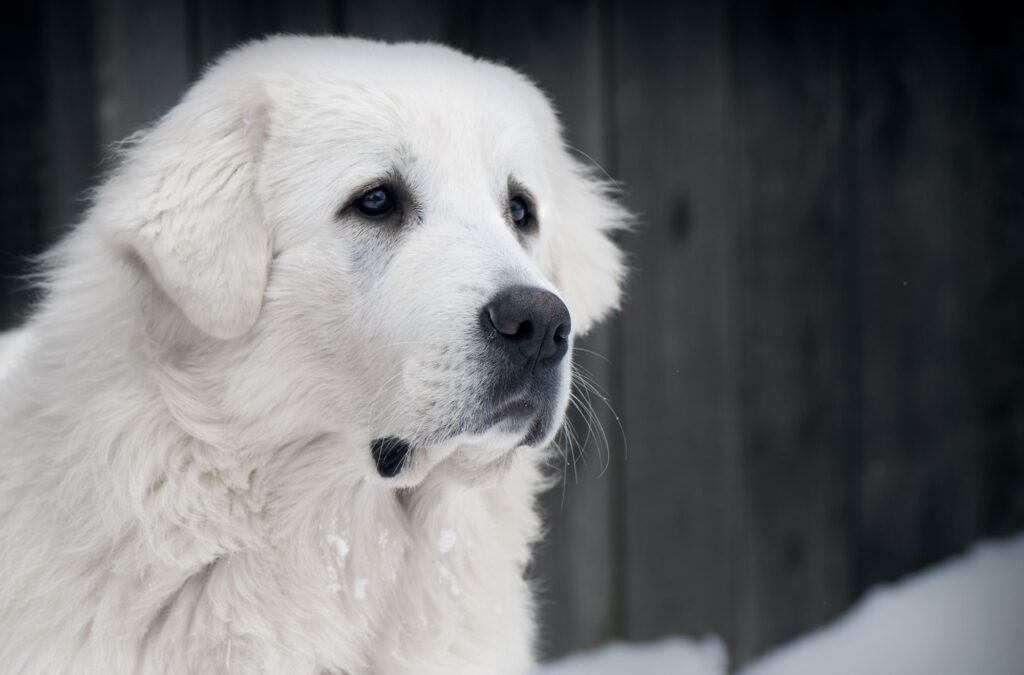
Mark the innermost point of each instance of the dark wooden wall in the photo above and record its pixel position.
(819, 371)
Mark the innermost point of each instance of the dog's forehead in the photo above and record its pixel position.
(417, 98)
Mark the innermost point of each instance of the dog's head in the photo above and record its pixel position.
(393, 238)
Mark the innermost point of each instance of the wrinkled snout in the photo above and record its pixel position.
(529, 325)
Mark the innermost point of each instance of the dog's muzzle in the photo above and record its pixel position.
(526, 332)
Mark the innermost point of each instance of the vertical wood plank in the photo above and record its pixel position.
(219, 25)
(142, 62)
(995, 42)
(680, 407)
(22, 178)
(789, 80)
(313, 17)
(72, 123)
(398, 20)
(924, 181)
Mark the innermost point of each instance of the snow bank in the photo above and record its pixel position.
(670, 656)
(965, 616)
(962, 617)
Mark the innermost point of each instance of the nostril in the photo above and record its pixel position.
(513, 328)
(525, 331)
(500, 323)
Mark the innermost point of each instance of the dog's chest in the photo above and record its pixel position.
(362, 561)
(418, 553)
(423, 577)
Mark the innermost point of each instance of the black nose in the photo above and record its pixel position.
(532, 325)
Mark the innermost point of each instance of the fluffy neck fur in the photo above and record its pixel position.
(178, 534)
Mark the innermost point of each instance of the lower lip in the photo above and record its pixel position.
(514, 412)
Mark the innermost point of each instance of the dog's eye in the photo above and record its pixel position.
(519, 211)
(376, 203)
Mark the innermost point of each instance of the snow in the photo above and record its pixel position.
(445, 573)
(670, 656)
(340, 547)
(360, 591)
(965, 615)
(332, 579)
(446, 541)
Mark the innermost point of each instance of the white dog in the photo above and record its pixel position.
(285, 405)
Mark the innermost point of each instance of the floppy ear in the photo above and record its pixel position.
(186, 204)
(584, 262)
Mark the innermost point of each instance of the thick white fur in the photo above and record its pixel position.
(185, 479)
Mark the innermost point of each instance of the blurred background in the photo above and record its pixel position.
(818, 374)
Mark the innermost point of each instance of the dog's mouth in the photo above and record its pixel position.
(521, 418)
(513, 415)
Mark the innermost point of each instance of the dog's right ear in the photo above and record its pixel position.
(186, 204)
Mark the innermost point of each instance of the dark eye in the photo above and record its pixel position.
(519, 211)
(376, 203)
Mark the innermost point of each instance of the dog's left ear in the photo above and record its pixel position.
(187, 204)
(581, 258)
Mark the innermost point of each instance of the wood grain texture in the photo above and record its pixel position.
(925, 201)
(999, 123)
(22, 173)
(683, 521)
(142, 63)
(72, 139)
(789, 122)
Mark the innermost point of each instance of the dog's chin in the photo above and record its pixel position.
(482, 453)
